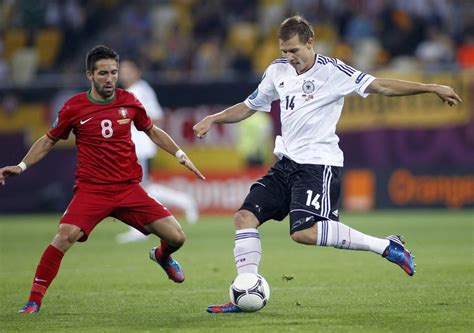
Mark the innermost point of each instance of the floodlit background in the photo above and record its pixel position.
(202, 56)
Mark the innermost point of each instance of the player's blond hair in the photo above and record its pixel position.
(295, 25)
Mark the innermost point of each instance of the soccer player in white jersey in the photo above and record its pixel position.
(130, 78)
(305, 182)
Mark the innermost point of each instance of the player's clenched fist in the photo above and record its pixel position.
(202, 127)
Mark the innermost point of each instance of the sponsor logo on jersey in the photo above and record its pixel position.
(85, 120)
(281, 85)
(123, 112)
(336, 212)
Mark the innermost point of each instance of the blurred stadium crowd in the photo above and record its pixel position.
(209, 40)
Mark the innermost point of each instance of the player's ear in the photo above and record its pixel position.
(89, 75)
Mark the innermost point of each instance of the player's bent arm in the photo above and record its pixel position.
(394, 87)
(165, 142)
(38, 150)
(162, 140)
(233, 114)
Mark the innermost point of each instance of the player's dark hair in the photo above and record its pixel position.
(295, 25)
(97, 53)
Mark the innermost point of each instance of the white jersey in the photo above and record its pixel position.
(311, 104)
(144, 147)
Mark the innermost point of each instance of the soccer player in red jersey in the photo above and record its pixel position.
(108, 175)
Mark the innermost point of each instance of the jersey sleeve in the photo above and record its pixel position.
(141, 120)
(264, 95)
(347, 80)
(62, 125)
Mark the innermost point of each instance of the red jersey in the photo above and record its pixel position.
(106, 153)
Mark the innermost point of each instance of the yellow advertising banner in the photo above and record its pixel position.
(418, 111)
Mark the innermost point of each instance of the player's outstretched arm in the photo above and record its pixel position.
(38, 150)
(233, 114)
(393, 87)
(165, 142)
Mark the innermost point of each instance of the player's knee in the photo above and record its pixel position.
(177, 238)
(296, 236)
(64, 239)
(244, 219)
(306, 236)
(181, 238)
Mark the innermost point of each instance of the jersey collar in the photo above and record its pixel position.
(311, 68)
(96, 101)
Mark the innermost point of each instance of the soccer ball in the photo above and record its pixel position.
(250, 292)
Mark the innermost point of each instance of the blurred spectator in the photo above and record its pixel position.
(3, 64)
(401, 32)
(6, 14)
(32, 13)
(180, 38)
(9, 104)
(208, 60)
(359, 27)
(240, 64)
(209, 20)
(436, 51)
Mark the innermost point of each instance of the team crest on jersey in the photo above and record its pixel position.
(308, 89)
(123, 112)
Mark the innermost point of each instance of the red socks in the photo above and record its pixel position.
(165, 250)
(45, 273)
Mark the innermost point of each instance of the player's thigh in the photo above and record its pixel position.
(269, 197)
(167, 228)
(86, 210)
(315, 192)
(138, 209)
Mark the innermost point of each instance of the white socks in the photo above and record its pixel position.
(331, 233)
(247, 250)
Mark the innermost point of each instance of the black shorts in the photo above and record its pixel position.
(308, 192)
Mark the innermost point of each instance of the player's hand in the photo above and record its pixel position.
(202, 127)
(13, 170)
(448, 95)
(184, 160)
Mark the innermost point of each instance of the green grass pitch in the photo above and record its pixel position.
(106, 287)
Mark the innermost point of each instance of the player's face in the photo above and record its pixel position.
(104, 78)
(299, 55)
